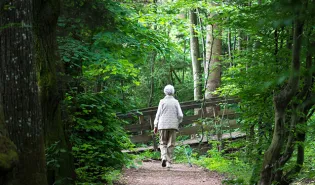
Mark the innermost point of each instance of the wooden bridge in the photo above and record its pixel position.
(198, 119)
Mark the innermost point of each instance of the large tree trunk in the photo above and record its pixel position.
(19, 93)
(45, 22)
(195, 56)
(213, 53)
(213, 70)
(213, 65)
(281, 101)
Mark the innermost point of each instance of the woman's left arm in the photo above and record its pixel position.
(158, 114)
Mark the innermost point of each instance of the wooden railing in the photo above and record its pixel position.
(142, 120)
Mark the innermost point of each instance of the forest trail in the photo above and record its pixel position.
(151, 173)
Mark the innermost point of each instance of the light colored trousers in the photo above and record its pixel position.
(167, 143)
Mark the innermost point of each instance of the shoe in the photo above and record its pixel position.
(168, 165)
(163, 162)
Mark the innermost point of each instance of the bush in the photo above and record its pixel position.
(97, 138)
(237, 171)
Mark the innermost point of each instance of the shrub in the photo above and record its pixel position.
(97, 137)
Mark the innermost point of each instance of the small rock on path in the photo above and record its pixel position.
(151, 173)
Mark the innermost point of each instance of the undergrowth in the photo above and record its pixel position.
(234, 166)
(235, 170)
(97, 139)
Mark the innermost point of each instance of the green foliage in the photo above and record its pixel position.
(308, 170)
(53, 153)
(155, 155)
(114, 51)
(102, 62)
(97, 137)
(183, 154)
(235, 169)
(167, 60)
(112, 176)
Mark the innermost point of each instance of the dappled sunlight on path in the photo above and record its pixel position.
(151, 173)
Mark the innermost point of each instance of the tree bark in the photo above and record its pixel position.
(230, 47)
(45, 22)
(195, 56)
(213, 67)
(213, 53)
(19, 93)
(239, 41)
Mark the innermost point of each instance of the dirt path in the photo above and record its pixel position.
(151, 173)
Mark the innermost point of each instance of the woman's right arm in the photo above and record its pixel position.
(179, 113)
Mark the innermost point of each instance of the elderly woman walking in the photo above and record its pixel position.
(167, 119)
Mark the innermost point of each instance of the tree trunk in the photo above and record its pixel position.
(239, 41)
(281, 101)
(204, 60)
(297, 134)
(213, 53)
(276, 34)
(273, 152)
(19, 93)
(213, 70)
(195, 56)
(154, 54)
(45, 22)
(230, 47)
(213, 67)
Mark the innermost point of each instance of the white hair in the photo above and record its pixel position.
(169, 90)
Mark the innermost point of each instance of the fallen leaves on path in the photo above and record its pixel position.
(151, 173)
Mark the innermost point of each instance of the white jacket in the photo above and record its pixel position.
(169, 114)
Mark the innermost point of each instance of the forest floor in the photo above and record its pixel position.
(152, 173)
